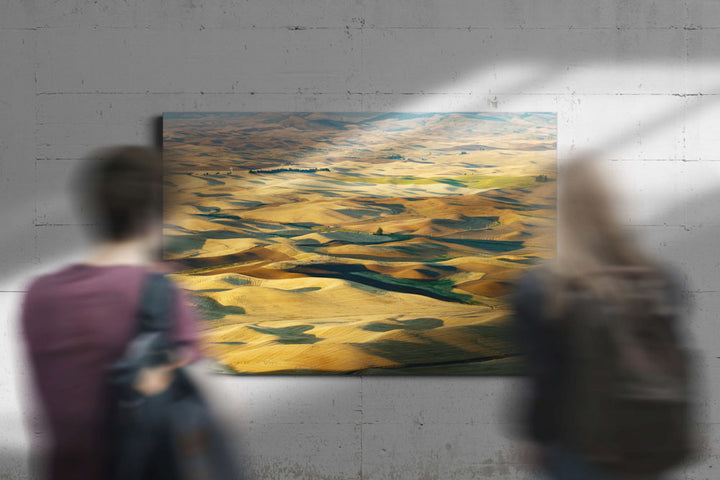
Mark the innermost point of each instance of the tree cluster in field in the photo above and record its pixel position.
(288, 169)
(541, 178)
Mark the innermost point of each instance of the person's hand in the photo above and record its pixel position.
(154, 380)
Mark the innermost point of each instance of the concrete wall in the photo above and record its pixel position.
(639, 79)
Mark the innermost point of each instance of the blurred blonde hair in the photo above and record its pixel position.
(595, 253)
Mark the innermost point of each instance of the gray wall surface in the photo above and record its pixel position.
(638, 79)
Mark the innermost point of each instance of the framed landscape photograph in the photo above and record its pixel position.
(358, 243)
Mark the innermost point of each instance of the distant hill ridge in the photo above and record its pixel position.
(288, 169)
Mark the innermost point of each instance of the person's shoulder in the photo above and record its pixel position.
(41, 282)
(84, 276)
(45, 288)
(36, 283)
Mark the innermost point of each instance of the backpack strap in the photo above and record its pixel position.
(152, 344)
(156, 301)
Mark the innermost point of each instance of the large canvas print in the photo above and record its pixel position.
(358, 243)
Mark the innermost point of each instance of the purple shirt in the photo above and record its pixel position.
(76, 322)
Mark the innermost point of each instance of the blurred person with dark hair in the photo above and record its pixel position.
(600, 326)
(79, 320)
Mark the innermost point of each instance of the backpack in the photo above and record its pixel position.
(172, 435)
(627, 407)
